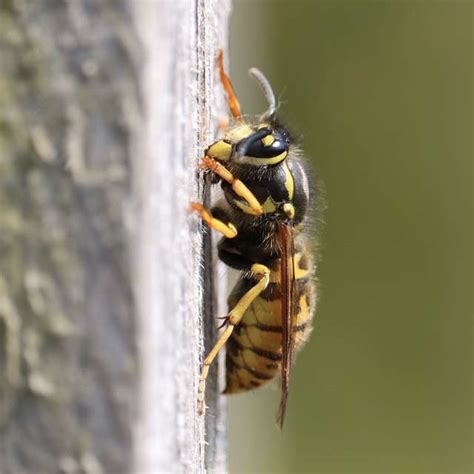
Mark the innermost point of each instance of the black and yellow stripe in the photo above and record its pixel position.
(254, 350)
(262, 219)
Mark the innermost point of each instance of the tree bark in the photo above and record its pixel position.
(105, 280)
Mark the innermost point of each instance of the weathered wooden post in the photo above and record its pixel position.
(105, 107)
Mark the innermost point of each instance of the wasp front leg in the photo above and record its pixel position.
(230, 322)
(232, 100)
(238, 186)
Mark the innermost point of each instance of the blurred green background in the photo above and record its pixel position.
(382, 92)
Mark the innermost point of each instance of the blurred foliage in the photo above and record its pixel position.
(382, 92)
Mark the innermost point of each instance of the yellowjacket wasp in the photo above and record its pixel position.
(262, 218)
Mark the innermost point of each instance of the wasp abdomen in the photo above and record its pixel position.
(254, 350)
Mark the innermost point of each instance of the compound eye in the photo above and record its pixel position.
(269, 146)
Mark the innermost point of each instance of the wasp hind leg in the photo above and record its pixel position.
(230, 321)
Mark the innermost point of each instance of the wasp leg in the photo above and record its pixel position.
(239, 188)
(232, 320)
(232, 101)
(228, 230)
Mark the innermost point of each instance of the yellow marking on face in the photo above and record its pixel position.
(268, 140)
(250, 160)
(220, 150)
(236, 134)
(289, 181)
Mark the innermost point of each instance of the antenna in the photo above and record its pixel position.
(267, 90)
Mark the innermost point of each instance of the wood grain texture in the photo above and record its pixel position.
(67, 320)
(175, 275)
(105, 107)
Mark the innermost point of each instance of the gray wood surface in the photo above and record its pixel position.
(105, 107)
(182, 109)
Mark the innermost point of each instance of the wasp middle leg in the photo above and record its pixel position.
(227, 230)
(230, 321)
